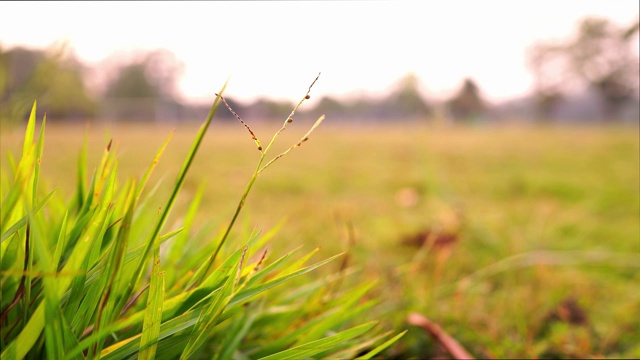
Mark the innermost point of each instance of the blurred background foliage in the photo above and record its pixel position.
(55, 80)
(591, 76)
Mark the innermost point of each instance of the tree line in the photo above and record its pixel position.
(598, 62)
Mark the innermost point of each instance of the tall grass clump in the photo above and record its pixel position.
(97, 275)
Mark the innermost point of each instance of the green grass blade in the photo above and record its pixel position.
(147, 175)
(60, 243)
(381, 347)
(20, 346)
(362, 346)
(235, 335)
(177, 248)
(81, 176)
(128, 347)
(153, 313)
(267, 270)
(209, 318)
(114, 267)
(169, 205)
(36, 171)
(343, 311)
(30, 132)
(318, 346)
(86, 260)
(230, 263)
(250, 292)
(23, 221)
(58, 335)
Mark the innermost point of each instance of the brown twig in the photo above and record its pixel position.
(448, 343)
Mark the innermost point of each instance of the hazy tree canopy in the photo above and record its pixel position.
(151, 75)
(52, 78)
(467, 103)
(132, 82)
(408, 100)
(599, 56)
(143, 88)
(404, 102)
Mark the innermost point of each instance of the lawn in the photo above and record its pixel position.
(535, 231)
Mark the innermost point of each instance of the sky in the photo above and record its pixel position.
(275, 49)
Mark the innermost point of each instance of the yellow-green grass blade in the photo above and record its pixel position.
(209, 318)
(60, 243)
(23, 221)
(153, 313)
(20, 346)
(58, 336)
(250, 292)
(97, 182)
(29, 132)
(9, 261)
(93, 243)
(345, 309)
(137, 274)
(26, 298)
(186, 300)
(381, 347)
(12, 208)
(300, 262)
(28, 185)
(314, 347)
(36, 172)
(79, 253)
(309, 288)
(176, 251)
(152, 166)
(235, 334)
(222, 270)
(318, 323)
(269, 269)
(128, 347)
(174, 333)
(359, 347)
(130, 256)
(115, 263)
(81, 175)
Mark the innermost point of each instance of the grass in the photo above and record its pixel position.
(97, 274)
(541, 214)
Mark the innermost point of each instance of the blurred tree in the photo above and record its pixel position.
(406, 101)
(467, 103)
(132, 81)
(266, 109)
(52, 77)
(148, 75)
(600, 56)
(143, 87)
(331, 107)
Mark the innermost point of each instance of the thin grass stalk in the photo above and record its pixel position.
(289, 119)
(259, 169)
(165, 213)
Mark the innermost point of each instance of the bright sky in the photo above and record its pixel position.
(276, 49)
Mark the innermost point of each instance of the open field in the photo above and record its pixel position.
(535, 216)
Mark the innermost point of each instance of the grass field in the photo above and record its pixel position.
(535, 217)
